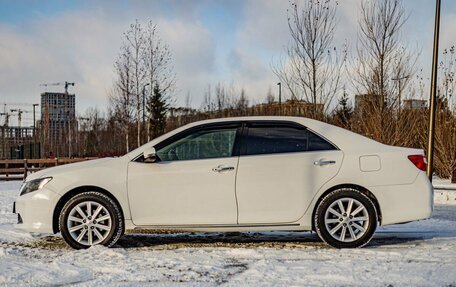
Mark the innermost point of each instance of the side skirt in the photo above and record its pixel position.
(217, 228)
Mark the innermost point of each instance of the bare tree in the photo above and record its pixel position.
(134, 39)
(313, 66)
(242, 103)
(447, 86)
(221, 97)
(208, 104)
(121, 97)
(93, 123)
(270, 97)
(384, 66)
(382, 72)
(188, 101)
(158, 69)
(446, 117)
(379, 46)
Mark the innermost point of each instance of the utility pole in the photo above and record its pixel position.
(432, 104)
(280, 98)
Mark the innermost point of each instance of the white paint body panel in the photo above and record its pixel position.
(269, 192)
(368, 163)
(183, 192)
(278, 188)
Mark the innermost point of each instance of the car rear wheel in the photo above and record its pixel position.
(346, 218)
(90, 218)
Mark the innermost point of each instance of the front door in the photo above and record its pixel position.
(192, 183)
(280, 169)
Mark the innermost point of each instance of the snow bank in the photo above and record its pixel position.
(445, 197)
(444, 191)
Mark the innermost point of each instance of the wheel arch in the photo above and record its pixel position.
(360, 188)
(73, 192)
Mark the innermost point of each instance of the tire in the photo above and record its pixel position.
(94, 215)
(338, 225)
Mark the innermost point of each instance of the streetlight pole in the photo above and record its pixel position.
(432, 103)
(399, 80)
(280, 98)
(34, 129)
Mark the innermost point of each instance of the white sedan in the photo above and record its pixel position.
(234, 174)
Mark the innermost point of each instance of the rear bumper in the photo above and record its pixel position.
(36, 211)
(405, 203)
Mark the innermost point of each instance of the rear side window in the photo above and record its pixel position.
(282, 139)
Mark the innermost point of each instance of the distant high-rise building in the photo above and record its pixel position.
(415, 104)
(365, 104)
(58, 124)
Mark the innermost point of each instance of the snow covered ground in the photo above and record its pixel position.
(415, 254)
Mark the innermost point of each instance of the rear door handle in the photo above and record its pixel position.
(324, 162)
(221, 168)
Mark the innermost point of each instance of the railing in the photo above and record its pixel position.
(18, 169)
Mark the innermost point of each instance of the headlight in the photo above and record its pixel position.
(34, 185)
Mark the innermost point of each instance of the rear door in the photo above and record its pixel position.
(282, 165)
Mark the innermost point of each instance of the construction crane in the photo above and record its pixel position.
(9, 107)
(6, 121)
(66, 84)
(15, 104)
(19, 115)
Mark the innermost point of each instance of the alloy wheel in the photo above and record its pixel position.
(89, 223)
(346, 219)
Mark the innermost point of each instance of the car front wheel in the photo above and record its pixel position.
(346, 218)
(90, 218)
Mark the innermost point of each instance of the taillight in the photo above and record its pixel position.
(419, 161)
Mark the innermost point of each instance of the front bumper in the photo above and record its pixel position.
(35, 210)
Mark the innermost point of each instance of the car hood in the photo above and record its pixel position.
(54, 171)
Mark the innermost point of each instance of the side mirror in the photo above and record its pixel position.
(150, 155)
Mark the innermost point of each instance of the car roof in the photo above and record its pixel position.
(345, 140)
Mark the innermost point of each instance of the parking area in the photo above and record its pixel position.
(415, 254)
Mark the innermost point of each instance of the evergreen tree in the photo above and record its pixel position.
(343, 113)
(157, 107)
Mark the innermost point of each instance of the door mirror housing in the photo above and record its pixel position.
(150, 155)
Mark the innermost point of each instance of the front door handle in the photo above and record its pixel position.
(324, 162)
(221, 168)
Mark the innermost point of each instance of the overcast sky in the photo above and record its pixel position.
(232, 42)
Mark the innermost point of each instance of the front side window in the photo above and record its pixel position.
(282, 139)
(202, 144)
